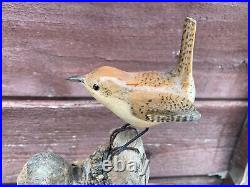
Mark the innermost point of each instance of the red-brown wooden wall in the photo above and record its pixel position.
(43, 43)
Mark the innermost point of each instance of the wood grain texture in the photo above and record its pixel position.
(45, 42)
(73, 129)
(239, 161)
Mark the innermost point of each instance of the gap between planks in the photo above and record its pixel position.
(93, 103)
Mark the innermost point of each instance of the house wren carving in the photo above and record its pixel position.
(144, 99)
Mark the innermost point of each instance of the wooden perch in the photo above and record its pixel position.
(129, 167)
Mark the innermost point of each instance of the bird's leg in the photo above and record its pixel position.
(118, 150)
(117, 131)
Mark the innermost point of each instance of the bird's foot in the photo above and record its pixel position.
(116, 132)
(118, 150)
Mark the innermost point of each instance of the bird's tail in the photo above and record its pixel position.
(185, 61)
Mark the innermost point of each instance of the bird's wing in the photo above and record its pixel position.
(174, 116)
(162, 107)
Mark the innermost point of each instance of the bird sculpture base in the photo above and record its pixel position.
(127, 167)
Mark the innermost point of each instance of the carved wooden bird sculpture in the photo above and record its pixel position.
(144, 99)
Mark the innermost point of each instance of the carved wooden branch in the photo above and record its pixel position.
(50, 168)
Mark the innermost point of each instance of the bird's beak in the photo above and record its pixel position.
(76, 78)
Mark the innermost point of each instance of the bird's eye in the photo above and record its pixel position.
(96, 87)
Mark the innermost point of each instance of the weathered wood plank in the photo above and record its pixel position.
(238, 165)
(74, 129)
(45, 42)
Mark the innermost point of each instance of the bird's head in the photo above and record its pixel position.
(102, 82)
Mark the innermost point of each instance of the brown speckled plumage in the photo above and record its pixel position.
(144, 99)
(162, 107)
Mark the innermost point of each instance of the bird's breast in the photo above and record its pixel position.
(123, 110)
